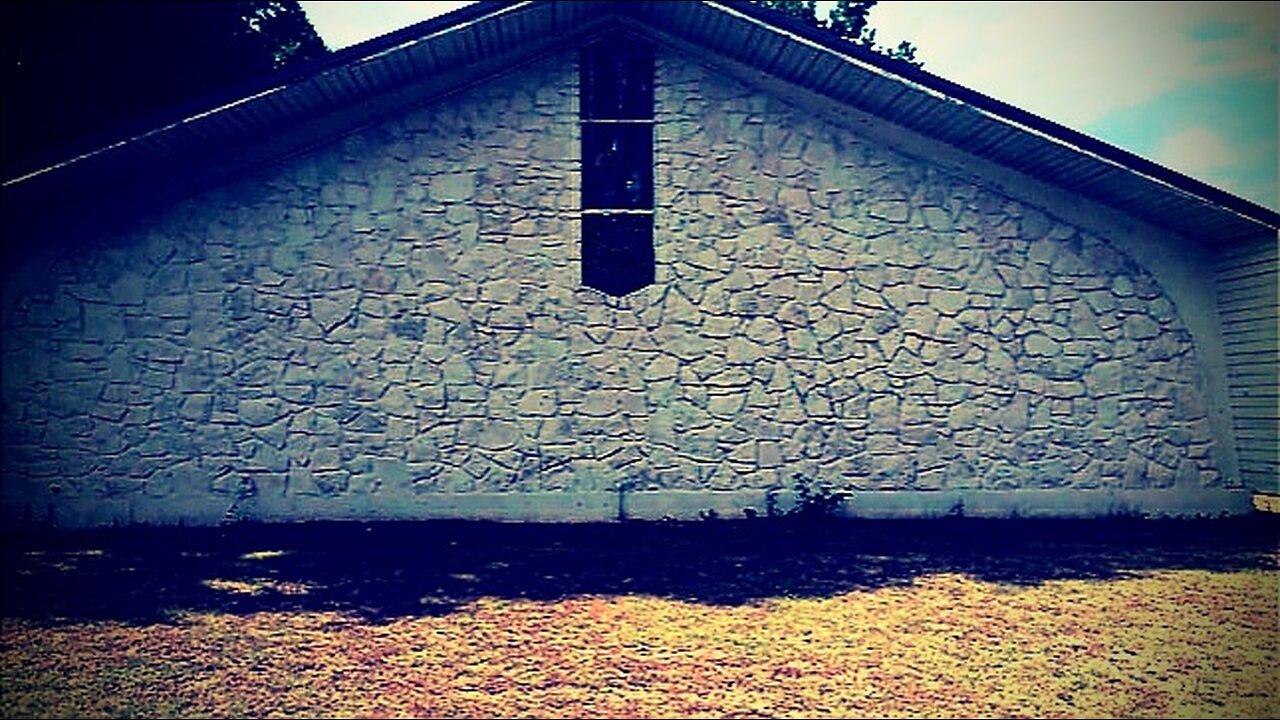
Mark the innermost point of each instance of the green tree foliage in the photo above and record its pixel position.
(848, 20)
(78, 75)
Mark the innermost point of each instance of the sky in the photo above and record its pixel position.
(1189, 85)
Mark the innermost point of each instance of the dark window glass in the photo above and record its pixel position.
(616, 81)
(616, 101)
(617, 165)
(617, 252)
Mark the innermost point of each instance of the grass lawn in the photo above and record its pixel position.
(762, 618)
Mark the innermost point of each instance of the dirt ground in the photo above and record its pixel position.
(745, 618)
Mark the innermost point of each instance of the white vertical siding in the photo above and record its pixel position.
(1248, 279)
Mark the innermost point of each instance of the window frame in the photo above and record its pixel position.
(615, 219)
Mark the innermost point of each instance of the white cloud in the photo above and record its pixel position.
(343, 24)
(1075, 62)
(1088, 64)
(1196, 151)
(1072, 62)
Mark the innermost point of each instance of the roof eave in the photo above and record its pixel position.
(473, 35)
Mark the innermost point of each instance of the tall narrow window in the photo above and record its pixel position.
(616, 114)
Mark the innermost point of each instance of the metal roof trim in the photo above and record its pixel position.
(281, 92)
(260, 88)
(164, 129)
(998, 110)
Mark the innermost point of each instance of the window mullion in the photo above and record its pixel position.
(616, 123)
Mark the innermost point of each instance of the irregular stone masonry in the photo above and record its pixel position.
(401, 313)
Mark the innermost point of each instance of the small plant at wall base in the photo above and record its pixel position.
(811, 502)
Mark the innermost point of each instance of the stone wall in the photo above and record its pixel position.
(398, 317)
(885, 325)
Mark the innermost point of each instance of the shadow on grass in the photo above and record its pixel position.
(387, 570)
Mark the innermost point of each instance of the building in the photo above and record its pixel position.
(572, 261)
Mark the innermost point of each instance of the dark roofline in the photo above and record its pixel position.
(211, 102)
(893, 70)
(1011, 113)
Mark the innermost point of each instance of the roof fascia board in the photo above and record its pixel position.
(994, 109)
(1091, 214)
(260, 88)
(941, 92)
(143, 184)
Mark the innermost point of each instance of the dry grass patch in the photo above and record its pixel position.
(1163, 643)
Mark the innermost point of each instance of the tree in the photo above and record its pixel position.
(848, 20)
(78, 75)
